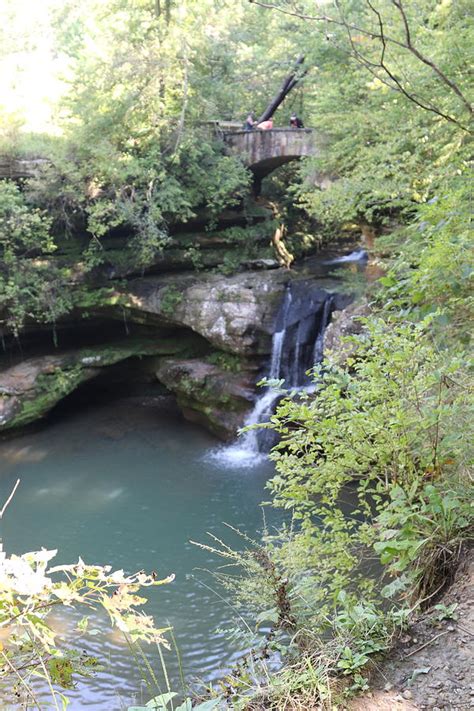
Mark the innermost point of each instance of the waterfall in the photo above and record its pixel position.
(359, 255)
(297, 345)
(319, 342)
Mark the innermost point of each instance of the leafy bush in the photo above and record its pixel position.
(373, 467)
(30, 588)
(30, 286)
(432, 263)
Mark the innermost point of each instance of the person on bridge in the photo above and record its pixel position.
(296, 122)
(250, 122)
(266, 125)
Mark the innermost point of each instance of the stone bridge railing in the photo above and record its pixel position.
(263, 151)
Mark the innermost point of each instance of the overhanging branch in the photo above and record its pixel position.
(385, 40)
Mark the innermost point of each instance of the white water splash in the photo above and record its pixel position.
(245, 452)
(358, 255)
(319, 343)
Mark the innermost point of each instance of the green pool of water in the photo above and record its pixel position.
(130, 486)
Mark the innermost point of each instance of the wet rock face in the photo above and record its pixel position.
(234, 313)
(209, 395)
(345, 322)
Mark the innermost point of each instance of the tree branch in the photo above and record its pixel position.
(5, 505)
(385, 40)
(426, 60)
(289, 83)
(322, 18)
(410, 96)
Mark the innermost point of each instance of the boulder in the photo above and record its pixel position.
(209, 395)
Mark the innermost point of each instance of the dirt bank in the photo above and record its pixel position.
(431, 668)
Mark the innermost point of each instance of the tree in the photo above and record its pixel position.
(396, 31)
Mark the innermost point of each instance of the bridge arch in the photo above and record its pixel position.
(264, 151)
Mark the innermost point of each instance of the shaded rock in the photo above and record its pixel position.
(262, 264)
(30, 389)
(16, 168)
(344, 323)
(208, 395)
(183, 315)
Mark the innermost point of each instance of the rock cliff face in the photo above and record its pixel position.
(214, 330)
(209, 336)
(29, 389)
(234, 313)
(205, 335)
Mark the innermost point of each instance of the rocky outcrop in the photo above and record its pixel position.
(16, 168)
(31, 388)
(235, 314)
(175, 309)
(345, 322)
(208, 394)
(237, 237)
(185, 318)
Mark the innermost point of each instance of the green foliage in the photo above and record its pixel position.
(446, 612)
(142, 159)
(227, 361)
(303, 234)
(373, 466)
(419, 533)
(135, 152)
(30, 287)
(388, 429)
(387, 152)
(31, 588)
(432, 264)
(163, 701)
(394, 419)
(170, 297)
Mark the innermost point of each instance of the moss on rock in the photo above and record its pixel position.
(30, 389)
(208, 394)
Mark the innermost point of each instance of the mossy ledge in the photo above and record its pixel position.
(30, 389)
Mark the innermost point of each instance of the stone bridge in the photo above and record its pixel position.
(263, 151)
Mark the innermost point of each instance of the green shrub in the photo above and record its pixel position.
(30, 285)
(372, 466)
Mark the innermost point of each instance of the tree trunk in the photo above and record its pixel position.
(289, 83)
(285, 258)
